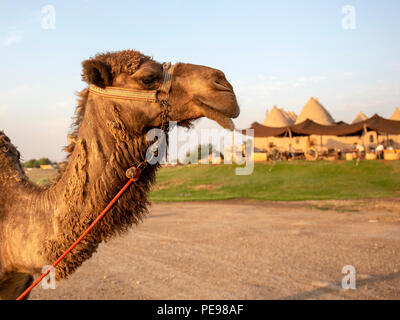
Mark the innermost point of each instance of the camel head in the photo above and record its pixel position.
(196, 91)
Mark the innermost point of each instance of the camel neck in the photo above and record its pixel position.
(102, 152)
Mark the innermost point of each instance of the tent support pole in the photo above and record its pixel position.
(320, 144)
(364, 136)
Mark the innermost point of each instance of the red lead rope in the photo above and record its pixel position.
(133, 174)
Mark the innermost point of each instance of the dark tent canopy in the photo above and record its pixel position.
(263, 131)
(309, 127)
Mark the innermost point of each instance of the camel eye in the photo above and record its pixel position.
(148, 79)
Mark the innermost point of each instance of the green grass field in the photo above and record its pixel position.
(282, 181)
(42, 177)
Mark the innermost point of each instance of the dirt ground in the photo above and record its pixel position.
(247, 250)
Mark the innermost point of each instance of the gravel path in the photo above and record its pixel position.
(247, 250)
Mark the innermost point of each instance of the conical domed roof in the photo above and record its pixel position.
(314, 111)
(360, 117)
(275, 118)
(396, 115)
(286, 115)
(292, 116)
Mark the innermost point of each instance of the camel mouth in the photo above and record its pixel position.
(217, 116)
(223, 118)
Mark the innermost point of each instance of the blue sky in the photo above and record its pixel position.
(273, 52)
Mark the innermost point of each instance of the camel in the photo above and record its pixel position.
(37, 224)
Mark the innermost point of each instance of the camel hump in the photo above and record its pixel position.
(9, 157)
(7, 148)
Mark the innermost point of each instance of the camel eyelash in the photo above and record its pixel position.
(150, 79)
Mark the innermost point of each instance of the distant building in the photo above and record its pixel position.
(396, 115)
(277, 118)
(360, 117)
(314, 111)
(47, 166)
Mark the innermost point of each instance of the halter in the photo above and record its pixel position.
(160, 95)
(139, 95)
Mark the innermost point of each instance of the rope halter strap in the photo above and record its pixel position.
(124, 93)
(168, 71)
(161, 94)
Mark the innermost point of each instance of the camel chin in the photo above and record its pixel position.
(223, 120)
(221, 113)
(226, 123)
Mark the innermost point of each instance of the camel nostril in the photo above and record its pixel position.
(222, 85)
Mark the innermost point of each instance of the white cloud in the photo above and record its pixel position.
(272, 85)
(349, 74)
(19, 90)
(12, 37)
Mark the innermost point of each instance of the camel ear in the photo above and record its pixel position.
(96, 72)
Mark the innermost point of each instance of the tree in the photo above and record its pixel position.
(33, 163)
(44, 161)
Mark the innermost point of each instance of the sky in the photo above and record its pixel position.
(273, 52)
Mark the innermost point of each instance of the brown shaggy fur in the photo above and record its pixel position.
(108, 65)
(10, 166)
(127, 61)
(38, 224)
